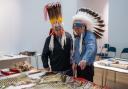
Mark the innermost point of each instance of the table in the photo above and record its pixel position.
(11, 57)
(36, 58)
(33, 76)
(106, 68)
(5, 58)
(6, 61)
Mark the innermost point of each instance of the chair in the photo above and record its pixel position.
(124, 51)
(111, 53)
(106, 46)
(104, 51)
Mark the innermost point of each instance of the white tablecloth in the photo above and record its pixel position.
(111, 68)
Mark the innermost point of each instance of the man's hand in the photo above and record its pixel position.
(74, 66)
(74, 69)
(82, 64)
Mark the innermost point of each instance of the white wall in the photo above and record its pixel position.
(10, 25)
(22, 25)
(118, 24)
(35, 25)
(101, 7)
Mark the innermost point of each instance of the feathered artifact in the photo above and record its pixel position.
(53, 10)
(92, 21)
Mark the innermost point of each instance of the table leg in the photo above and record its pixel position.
(115, 79)
(36, 57)
(106, 75)
(30, 59)
(102, 77)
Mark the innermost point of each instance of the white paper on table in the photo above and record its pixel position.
(20, 87)
(36, 76)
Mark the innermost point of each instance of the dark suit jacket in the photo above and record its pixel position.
(59, 58)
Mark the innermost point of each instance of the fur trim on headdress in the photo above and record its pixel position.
(63, 41)
(80, 45)
(51, 43)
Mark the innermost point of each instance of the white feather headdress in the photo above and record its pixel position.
(92, 21)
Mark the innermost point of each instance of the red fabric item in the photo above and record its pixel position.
(15, 70)
(81, 79)
(7, 73)
(51, 32)
(105, 87)
(1, 75)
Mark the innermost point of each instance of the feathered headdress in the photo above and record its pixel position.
(92, 20)
(53, 10)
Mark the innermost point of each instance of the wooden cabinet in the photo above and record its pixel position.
(121, 81)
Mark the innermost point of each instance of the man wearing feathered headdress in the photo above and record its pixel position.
(87, 27)
(58, 44)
